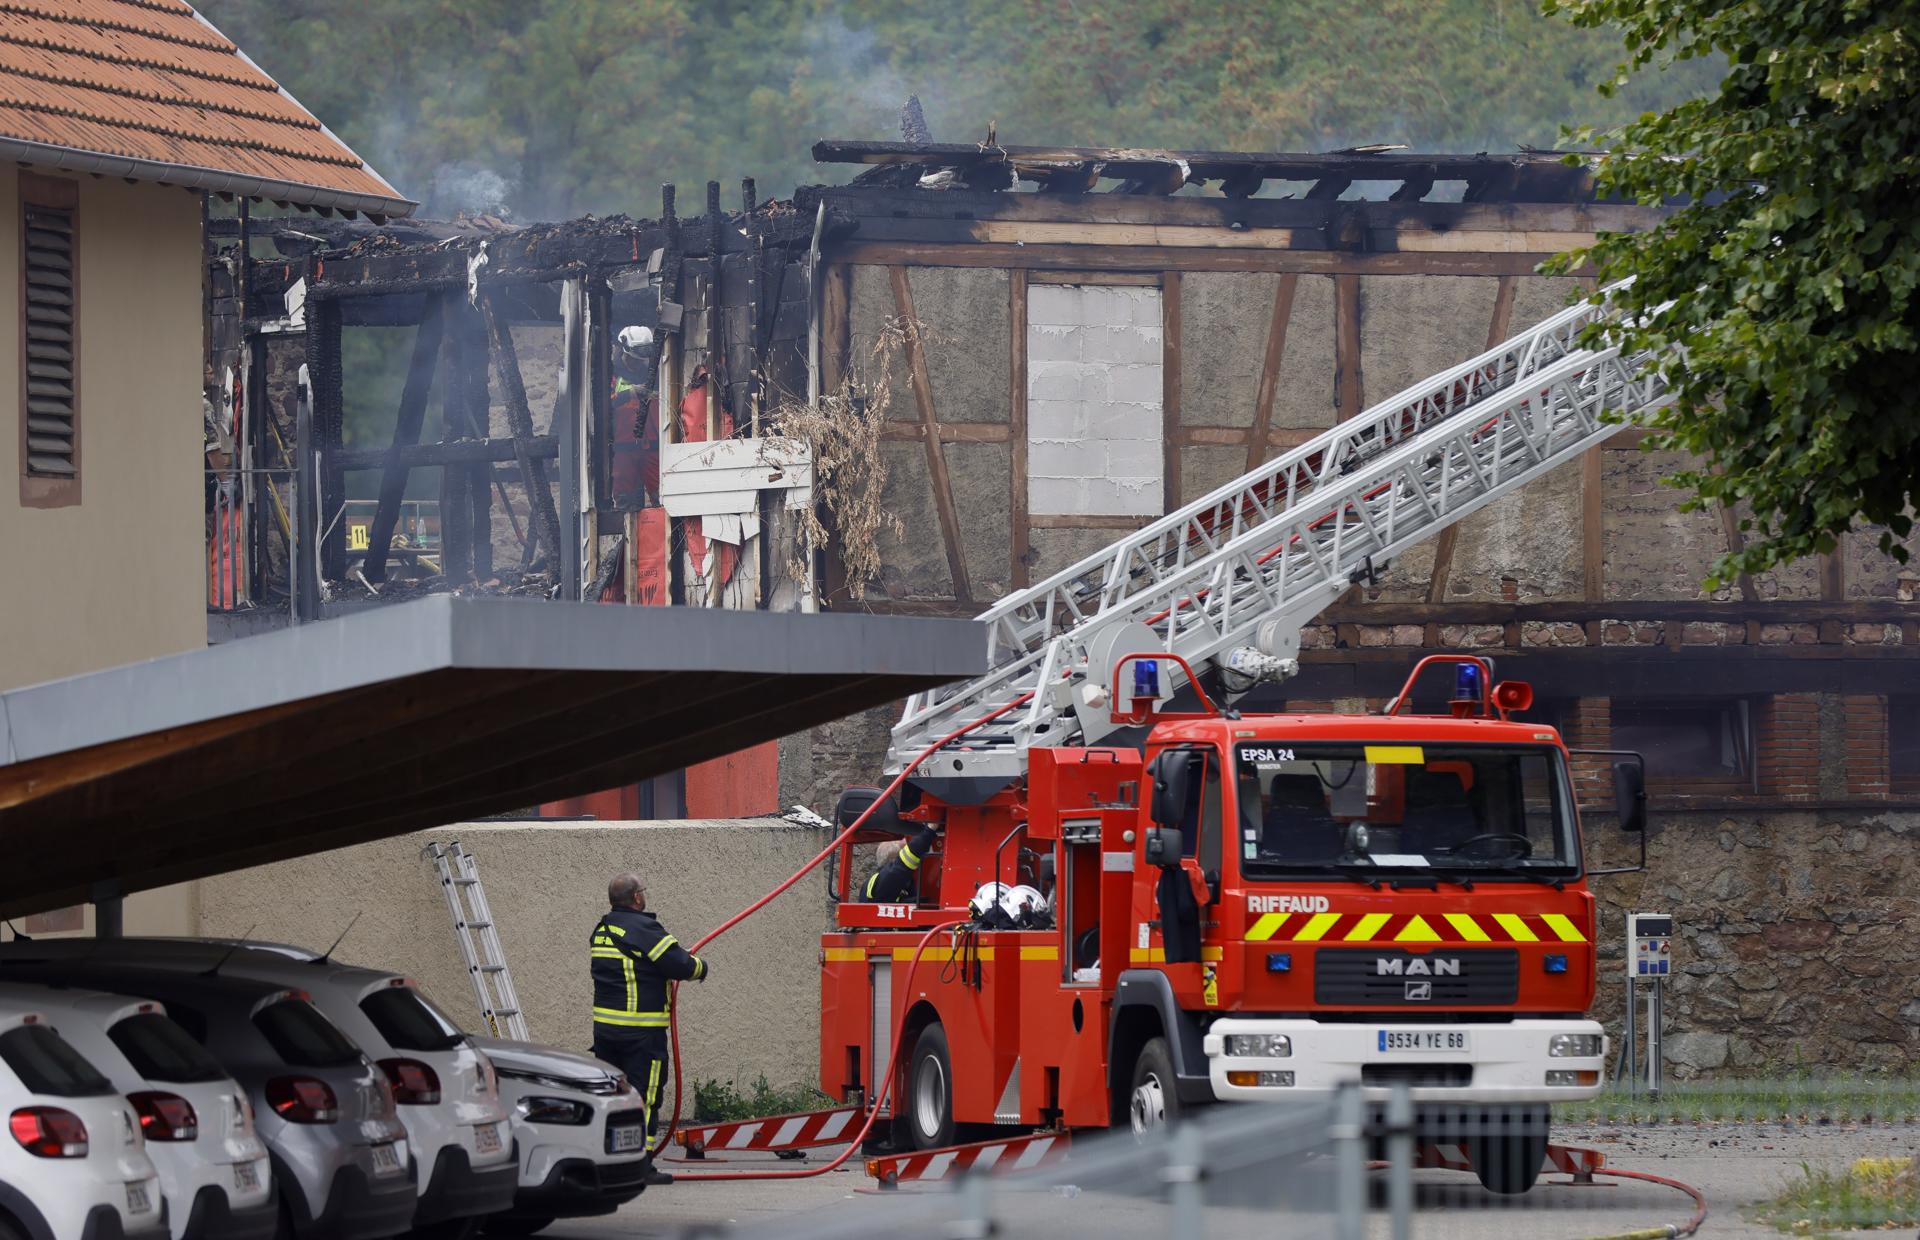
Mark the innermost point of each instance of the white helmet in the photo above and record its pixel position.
(985, 899)
(1017, 900)
(635, 338)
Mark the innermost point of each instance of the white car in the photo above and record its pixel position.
(457, 1127)
(75, 1166)
(580, 1131)
(194, 1117)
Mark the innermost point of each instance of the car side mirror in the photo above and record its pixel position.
(1171, 772)
(1162, 846)
(1630, 795)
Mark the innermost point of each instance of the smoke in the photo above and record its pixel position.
(465, 186)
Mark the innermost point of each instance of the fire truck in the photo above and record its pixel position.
(1170, 902)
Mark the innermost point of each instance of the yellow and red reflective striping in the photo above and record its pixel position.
(1459, 927)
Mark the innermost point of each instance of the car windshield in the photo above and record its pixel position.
(46, 1064)
(1409, 807)
(409, 1022)
(161, 1050)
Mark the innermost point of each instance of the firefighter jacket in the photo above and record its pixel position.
(634, 963)
(894, 881)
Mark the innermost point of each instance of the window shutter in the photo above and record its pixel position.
(52, 430)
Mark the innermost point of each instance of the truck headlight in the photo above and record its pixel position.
(541, 1110)
(1574, 1045)
(1259, 1078)
(1259, 1045)
(1563, 1078)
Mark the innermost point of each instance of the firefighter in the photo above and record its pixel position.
(635, 412)
(634, 962)
(898, 876)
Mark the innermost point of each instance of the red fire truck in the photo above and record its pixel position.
(1239, 907)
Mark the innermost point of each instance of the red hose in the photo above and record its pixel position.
(673, 1020)
(1699, 1199)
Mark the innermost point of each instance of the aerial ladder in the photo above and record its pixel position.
(1227, 581)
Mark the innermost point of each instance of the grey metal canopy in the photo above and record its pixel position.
(411, 716)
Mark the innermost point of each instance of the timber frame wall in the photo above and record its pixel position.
(1583, 646)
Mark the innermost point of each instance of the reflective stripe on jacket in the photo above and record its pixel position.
(893, 882)
(633, 962)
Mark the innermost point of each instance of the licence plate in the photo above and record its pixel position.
(246, 1177)
(137, 1200)
(386, 1159)
(1422, 1040)
(627, 1139)
(486, 1138)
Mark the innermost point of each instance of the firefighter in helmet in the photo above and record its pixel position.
(898, 876)
(635, 413)
(634, 964)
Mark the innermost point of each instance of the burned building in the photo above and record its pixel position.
(1062, 344)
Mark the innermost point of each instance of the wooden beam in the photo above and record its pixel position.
(406, 432)
(1499, 323)
(1833, 571)
(1578, 611)
(545, 517)
(1593, 565)
(1349, 386)
(1058, 521)
(1736, 543)
(930, 426)
(1017, 497)
(1270, 369)
(1167, 258)
(1106, 279)
(835, 305)
(1170, 318)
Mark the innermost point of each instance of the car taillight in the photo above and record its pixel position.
(414, 1083)
(165, 1117)
(49, 1132)
(302, 1100)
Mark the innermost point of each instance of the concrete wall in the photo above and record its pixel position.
(547, 885)
(1095, 432)
(125, 567)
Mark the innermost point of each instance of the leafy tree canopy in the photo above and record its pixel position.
(553, 108)
(1789, 319)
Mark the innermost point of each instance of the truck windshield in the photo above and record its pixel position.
(1486, 808)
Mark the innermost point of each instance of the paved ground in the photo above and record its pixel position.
(1734, 1165)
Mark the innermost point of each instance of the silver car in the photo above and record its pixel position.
(339, 1153)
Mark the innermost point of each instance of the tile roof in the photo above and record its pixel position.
(149, 89)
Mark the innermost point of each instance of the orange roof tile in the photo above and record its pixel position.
(149, 89)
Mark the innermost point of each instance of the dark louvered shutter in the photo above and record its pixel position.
(52, 438)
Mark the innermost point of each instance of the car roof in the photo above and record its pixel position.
(130, 978)
(285, 963)
(53, 999)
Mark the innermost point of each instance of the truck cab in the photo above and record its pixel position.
(1251, 908)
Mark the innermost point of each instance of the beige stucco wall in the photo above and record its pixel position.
(760, 1013)
(123, 571)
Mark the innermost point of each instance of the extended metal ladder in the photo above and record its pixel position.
(479, 941)
(1267, 552)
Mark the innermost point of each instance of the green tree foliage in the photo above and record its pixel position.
(1788, 283)
(557, 107)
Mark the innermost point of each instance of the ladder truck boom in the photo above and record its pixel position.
(1226, 582)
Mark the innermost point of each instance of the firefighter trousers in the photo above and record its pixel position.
(642, 1055)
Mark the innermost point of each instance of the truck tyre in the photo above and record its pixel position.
(1154, 1102)
(1510, 1164)
(930, 1091)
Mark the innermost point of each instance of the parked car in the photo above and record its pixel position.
(448, 1097)
(340, 1156)
(193, 1115)
(76, 1167)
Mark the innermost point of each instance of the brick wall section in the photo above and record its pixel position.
(1866, 744)
(1589, 725)
(1787, 746)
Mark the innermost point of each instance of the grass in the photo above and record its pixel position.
(720, 1102)
(1793, 1100)
(1872, 1193)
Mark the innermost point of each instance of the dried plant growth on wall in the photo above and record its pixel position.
(842, 430)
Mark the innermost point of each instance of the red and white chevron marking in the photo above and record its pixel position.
(774, 1132)
(1575, 1160)
(1019, 1154)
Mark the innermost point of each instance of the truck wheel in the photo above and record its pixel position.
(1509, 1165)
(1155, 1102)
(930, 1091)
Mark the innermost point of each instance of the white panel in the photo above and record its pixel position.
(1095, 435)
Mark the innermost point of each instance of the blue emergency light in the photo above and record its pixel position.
(1279, 962)
(1556, 964)
(1146, 678)
(1466, 683)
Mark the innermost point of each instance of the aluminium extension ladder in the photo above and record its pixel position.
(1259, 557)
(479, 940)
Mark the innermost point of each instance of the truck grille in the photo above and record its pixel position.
(1380, 977)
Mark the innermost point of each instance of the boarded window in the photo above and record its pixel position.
(1095, 432)
(50, 399)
